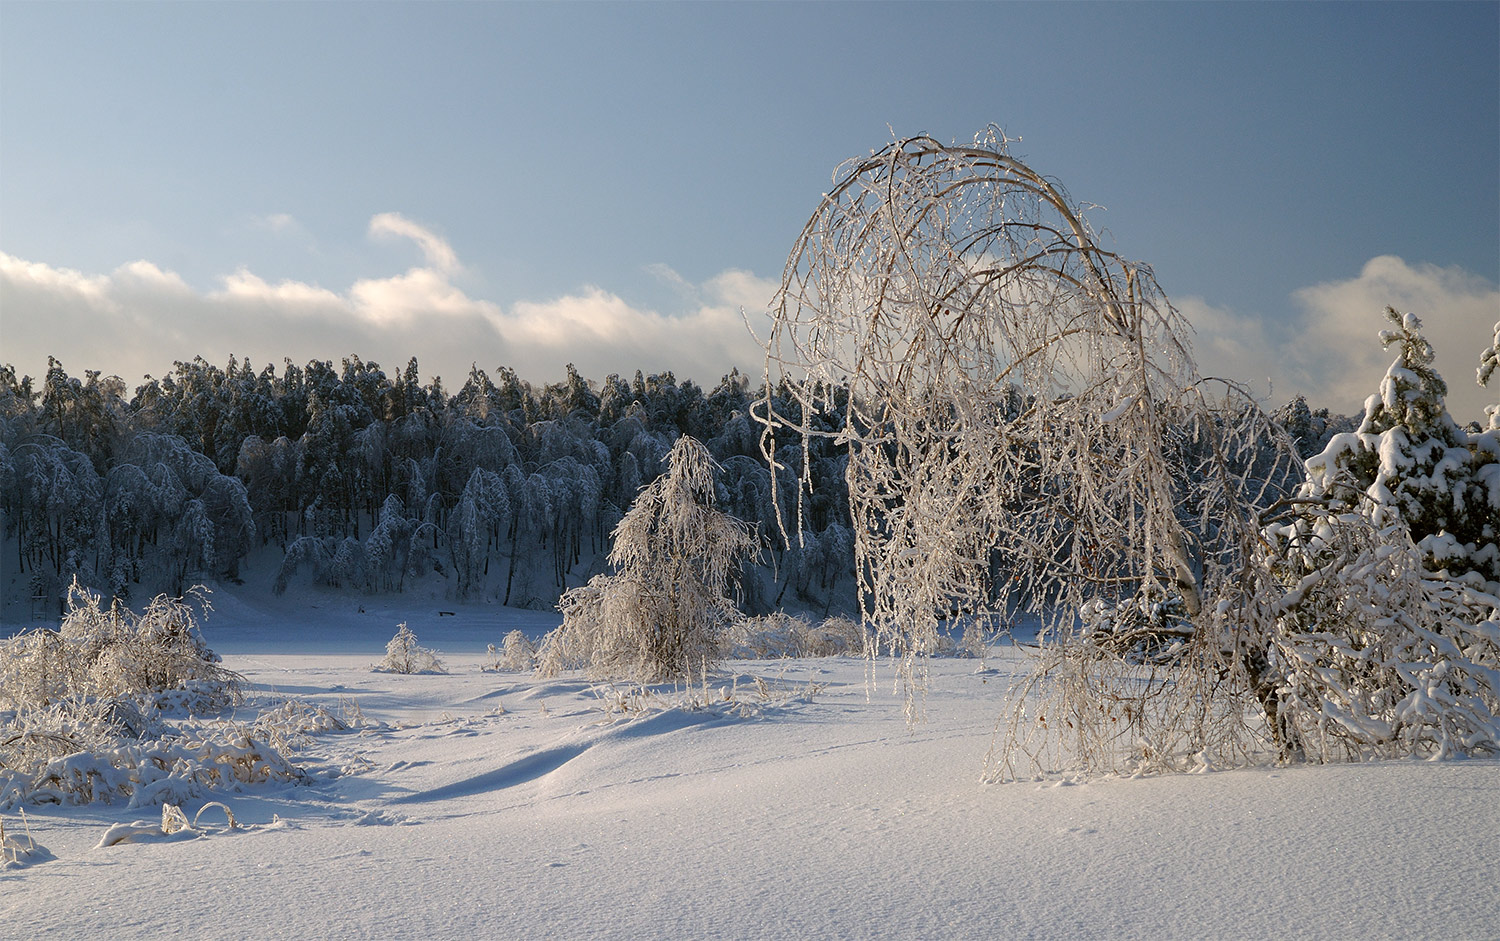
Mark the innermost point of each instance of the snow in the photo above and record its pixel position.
(482, 804)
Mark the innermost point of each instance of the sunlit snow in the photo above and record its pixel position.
(482, 804)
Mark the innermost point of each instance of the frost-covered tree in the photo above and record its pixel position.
(305, 552)
(1410, 462)
(388, 546)
(530, 582)
(661, 612)
(516, 655)
(54, 505)
(998, 378)
(482, 513)
(347, 567)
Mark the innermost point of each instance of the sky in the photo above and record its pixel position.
(613, 184)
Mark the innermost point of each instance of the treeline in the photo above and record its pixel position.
(504, 490)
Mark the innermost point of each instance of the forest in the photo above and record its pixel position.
(504, 491)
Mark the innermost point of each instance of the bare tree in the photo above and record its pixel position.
(1026, 429)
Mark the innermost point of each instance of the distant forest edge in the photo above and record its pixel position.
(503, 491)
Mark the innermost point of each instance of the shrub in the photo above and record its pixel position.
(403, 655)
(783, 635)
(518, 655)
(115, 655)
(86, 711)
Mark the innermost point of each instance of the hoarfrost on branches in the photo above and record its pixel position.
(95, 711)
(1026, 429)
(516, 655)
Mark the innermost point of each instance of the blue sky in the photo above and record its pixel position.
(608, 184)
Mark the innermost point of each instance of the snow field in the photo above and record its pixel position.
(502, 806)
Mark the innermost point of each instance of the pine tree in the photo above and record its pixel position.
(1385, 642)
(1410, 463)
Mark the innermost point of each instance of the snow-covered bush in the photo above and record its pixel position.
(779, 634)
(404, 655)
(1377, 656)
(517, 655)
(120, 706)
(175, 769)
(662, 613)
(115, 655)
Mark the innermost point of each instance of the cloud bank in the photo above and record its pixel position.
(1330, 351)
(139, 319)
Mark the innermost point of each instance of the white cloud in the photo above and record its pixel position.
(418, 294)
(1332, 354)
(295, 297)
(600, 333)
(139, 319)
(279, 222)
(669, 276)
(62, 281)
(436, 250)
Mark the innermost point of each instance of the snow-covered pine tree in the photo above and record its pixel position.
(1489, 360)
(1411, 462)
(1387, 641)
(660, 615)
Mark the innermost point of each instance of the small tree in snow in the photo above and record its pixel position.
(661, 613)
(516, 655)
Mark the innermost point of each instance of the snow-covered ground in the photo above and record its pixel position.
(494, 805)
